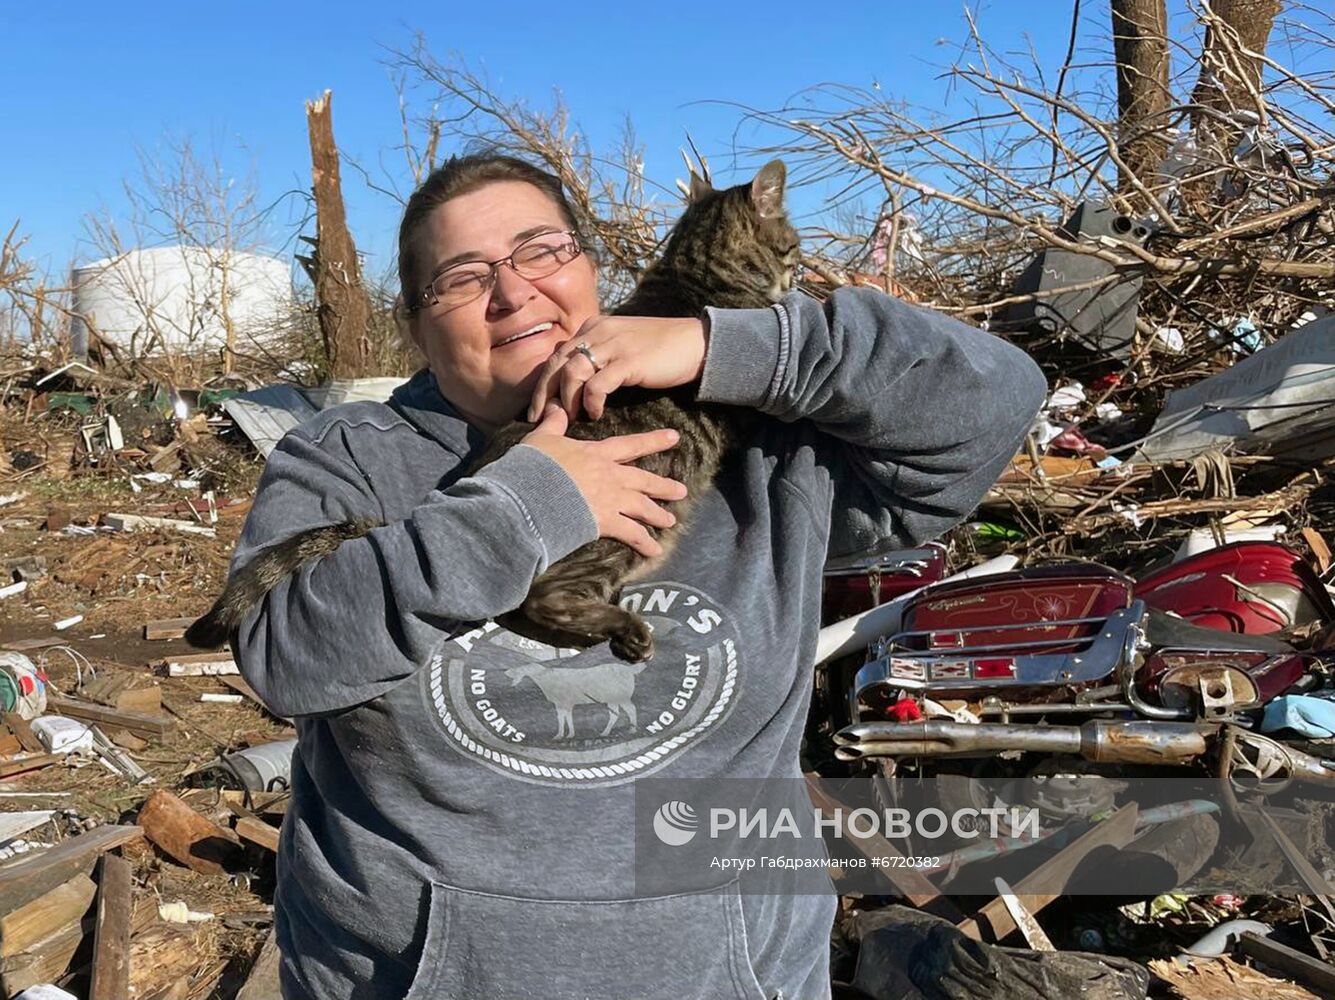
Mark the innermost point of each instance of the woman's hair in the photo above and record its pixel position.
(460, 175)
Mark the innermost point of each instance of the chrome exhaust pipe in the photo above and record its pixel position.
(1105, 742)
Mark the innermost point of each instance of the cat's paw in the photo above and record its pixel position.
(633, 643)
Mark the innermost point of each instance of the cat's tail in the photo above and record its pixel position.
(247, 587)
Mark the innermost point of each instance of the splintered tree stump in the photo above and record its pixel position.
(186, 836)
(344, 308)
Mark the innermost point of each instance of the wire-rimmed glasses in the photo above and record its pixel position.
(537, 257)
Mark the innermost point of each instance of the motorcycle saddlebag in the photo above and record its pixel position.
(1247, 587)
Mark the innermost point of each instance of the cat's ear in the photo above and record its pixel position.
(767, 189)
(699, 188)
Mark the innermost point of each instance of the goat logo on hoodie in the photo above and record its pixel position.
(559, 716)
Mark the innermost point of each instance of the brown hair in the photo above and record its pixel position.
(460, 175)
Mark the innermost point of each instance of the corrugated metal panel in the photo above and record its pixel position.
(377, 390)
(265, 415)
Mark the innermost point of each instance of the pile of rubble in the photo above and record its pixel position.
(142, 786)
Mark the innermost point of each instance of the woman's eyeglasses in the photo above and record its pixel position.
(537, 257)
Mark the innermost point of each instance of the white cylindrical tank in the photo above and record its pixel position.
(181, 299)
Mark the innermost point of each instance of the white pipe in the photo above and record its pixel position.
(864, 628)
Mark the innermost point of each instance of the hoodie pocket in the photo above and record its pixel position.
(508, 948)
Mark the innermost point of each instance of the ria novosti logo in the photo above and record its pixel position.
(675, 823)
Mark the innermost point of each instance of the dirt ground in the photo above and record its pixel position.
(118, 582)
(51, 530)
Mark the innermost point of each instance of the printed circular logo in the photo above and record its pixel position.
(558, 716)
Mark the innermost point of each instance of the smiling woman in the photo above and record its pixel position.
(463, 793)
(486, 350)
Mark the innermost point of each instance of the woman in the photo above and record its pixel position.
(461, 822)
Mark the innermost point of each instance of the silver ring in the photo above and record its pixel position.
(583, 348)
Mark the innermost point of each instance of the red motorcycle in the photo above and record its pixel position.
(1055, 683)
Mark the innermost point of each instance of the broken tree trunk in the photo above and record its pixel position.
(344, 308)
(185, 835)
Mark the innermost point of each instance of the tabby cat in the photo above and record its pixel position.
(732, 249)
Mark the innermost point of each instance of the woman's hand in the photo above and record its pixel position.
(654, 352)
(621, 496)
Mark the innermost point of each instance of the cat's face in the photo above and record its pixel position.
(742, 234)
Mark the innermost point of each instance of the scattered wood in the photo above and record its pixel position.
(66, 904)
(1313, 879)
(1046, 882)
(1305, 969)
(167, 628)
(24, 645)
(9, 743)
(257, 832)
(31, 876)
(262, 803)
(126, 740)
(915, 887)
(34, 762)
(143, 522)
(123, 690)
(185, 835)
(18, 725)
(160, 957)
(139, 723)
(200, 665)
(46, 961)
(111, 936)
(262, 983)
(1222, 978)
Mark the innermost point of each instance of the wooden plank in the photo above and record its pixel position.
(262, 983)
(915, 887)
(44, 963)
(185, 835)
(1307, 970)
(257, 832)
(139, 723)
(111, 935)
(128, 691)
(167, 628)
(9, 743)
(23, 645)
(1313, 879)
(141, 522)
(30, 876)
(18, 725)
(65, 904)
(33, 763)
(204, 665)
(1046, 882)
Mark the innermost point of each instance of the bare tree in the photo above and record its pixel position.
(1140, 48)
(624, 214)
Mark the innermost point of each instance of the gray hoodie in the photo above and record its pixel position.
(461, 820)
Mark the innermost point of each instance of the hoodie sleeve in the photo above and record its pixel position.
(347, 627)
(922, 411)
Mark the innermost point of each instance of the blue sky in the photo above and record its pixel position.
(86, 84)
